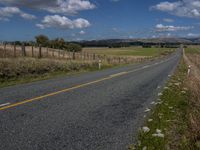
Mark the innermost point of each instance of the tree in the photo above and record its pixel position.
(42, 40)
(58, 43)
(72, 47)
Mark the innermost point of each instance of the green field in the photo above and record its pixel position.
(129, 51)
(193, 50)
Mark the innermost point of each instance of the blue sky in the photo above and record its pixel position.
(98, 19)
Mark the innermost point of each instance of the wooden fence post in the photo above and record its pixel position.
(88, 56)
(40, 52)
(53, 53)
(47, 52)
(63, 54)
(74, 57)
(14, 50)
(32, 52)
(84, 56)
(58, 53)
(94, 57)
(23, 50)
(4, 50)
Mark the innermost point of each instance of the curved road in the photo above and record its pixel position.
(93, 111)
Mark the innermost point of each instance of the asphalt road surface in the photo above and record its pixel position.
(93, 111)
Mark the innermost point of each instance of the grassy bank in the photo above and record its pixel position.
(168, 124)
(23, 70)
(130, 51)
(174, 122)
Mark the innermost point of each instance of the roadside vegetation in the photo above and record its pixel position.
(130, 51)
(21, 70)
(174, 122)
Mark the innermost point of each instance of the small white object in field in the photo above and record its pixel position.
(147, 110)
(150, 120)
(158, 87)
(166, 88)
(177, 84)
(160, 94)
(139, 143)
(144, 148)
(170, 107)
(189, 70)
(158, 135)
(158, 131)
(145, 129)
(183, 92)
(152, 103)
(169, 75)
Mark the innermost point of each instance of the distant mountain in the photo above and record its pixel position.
(150, 40)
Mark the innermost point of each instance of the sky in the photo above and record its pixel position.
(98, 19)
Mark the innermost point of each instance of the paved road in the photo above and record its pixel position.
(93, 111)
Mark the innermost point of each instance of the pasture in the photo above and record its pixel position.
(129, 51)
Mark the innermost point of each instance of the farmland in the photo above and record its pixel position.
(129, 51)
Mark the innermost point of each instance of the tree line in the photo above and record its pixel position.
(44, 41)
(58, 43)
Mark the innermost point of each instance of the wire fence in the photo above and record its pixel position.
(12, 51)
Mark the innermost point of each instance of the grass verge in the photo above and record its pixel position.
(24, 70)
(168, 124)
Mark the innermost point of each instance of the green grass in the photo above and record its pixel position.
(169, 116)
(129, 51)
(192, 50)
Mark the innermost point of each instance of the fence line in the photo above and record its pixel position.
(7, 51)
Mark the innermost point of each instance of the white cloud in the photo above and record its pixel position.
(167, 6)
(53, 6)
(63, 22)
(7, 12)
(193, 35)
(82, 32)
(183, 8)
(163, 28)
(168, 20)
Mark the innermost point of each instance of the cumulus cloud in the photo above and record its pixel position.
(53, 6)
(7, 12)
(63, 22)
(163, 28)
(183, 8)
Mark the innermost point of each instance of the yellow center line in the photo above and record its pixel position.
(118, 74)
(58, 92)
(69, 89)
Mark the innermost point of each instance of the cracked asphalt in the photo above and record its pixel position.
(99, 110)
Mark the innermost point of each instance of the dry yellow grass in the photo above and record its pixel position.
(193, 84)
